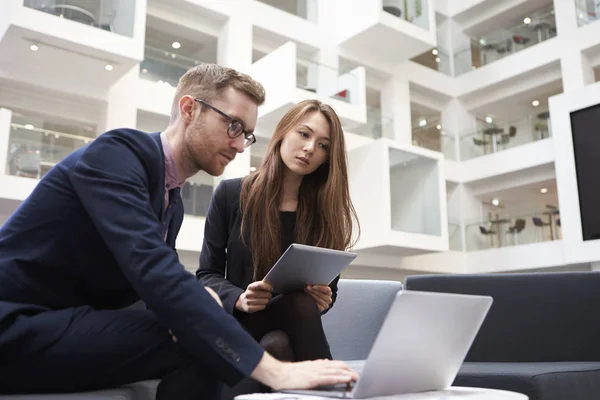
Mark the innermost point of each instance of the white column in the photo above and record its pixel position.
(395, 104)
(5, 119)
(312, 10)
(234, 50)
(576, 70)
(470, 213)
(565, 13)
(457, 121)
(121, 111)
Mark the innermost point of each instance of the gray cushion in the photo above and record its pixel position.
(539, 381)
(112, 394)
(354, 321)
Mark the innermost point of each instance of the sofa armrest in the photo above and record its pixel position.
(354, 321)
(535, 317)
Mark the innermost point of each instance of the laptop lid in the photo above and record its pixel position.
(422, 343)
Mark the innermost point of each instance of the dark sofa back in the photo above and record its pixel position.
(535, 317)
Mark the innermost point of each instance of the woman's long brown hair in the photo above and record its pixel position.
(325, 215)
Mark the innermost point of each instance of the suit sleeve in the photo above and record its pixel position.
(213, 257)
(334, 289)
(111, 180)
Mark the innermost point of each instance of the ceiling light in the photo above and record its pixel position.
(438, 126)
(108, 67)
(435, 52)
(437, 59)
(489, 119)
(543, 190)
(28, 126)
(422, 122)
(173, 55)
(252, 169)
(34, 47)
(176, 45)
(495, 202)
(144, 71)
(535, 103)
(527, 20)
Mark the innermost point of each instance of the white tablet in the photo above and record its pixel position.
(302, 265)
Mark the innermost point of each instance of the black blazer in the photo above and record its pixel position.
(225, 262)
(90, 234)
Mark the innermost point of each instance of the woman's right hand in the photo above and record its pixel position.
(255, 298)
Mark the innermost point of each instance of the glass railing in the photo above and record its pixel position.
(377, 126)
(498, 136)
(436, 59)
(413, 11)
(514, 230)
(497, 45)
(326, 81)
(455, 236)
(164, 66)
(34, 151)
(587, 13)
(116, 16)
(196, 194)
(306, 9)
(433, 137)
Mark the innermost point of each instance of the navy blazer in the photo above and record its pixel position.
(225, 262)
(90, 234)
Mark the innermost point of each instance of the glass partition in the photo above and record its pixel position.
(326, 81)
(501, 43)
(587, 12)
(116, 16)
(306, 9)
(377, 126)
(35, 145)
(508, 231)
(413, 11)
(434, 137)
(414, 193)
(164, 66)
(494, 136)
(437, 59)
(455, 236)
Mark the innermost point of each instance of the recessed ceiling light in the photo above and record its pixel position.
(173, 55)
(252, 169)
(438, 126)
(176, 45)
(437, 59)
(489, 119)
(543, 190)
(527, 20)
(28, 126)
(422, 122)
(495, 202)
(535, 103)
(435, 52)
(34, 47)
(144, 71)
(108, 67)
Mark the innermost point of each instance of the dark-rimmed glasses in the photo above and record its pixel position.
(236, 127)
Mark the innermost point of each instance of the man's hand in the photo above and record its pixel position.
(255, 298)
(302, 375)
(214, 296)
(321, 294)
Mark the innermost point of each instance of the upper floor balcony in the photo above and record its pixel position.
(102, 38)
(298, 79)
(389, 31)
(529, 30)
(587, 12)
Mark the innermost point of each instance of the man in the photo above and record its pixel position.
(98, 233)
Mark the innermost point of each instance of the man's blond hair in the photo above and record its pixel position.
(207, 81)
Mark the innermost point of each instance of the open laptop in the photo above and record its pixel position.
(420, 347)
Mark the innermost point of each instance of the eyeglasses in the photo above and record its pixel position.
(236, 128)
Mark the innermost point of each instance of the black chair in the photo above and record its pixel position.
(537, 221)
(395, 11)
(512, 131)
(517, 227)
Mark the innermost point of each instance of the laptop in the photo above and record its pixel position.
(420, 347)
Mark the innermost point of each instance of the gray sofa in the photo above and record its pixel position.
(540, 337)
(349, 340)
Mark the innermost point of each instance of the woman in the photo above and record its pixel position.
(299, 194)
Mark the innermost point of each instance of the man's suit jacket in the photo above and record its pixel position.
(225, 262)
(91, 234)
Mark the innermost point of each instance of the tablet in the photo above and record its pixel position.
(302, 265)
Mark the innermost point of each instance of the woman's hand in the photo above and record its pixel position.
(321, 294)
(255, 298)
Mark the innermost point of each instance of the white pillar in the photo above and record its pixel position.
(576, 70)
(470, 213)
(121, 111)
(565, 13)
(457, 121)
(395, 104)
(5, 119)
(234, 50)
(312, 10)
